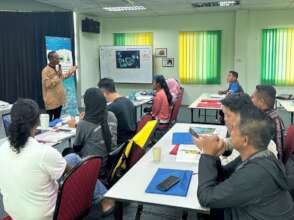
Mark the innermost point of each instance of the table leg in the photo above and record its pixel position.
(136, 113)
(205, 115)
(118, 211)
(192, 119)
(141, 113)
(139, 212)
(184, 215)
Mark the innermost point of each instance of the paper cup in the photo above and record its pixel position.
(44, 121)
(156, 154)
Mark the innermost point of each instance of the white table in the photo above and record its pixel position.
(288, 105)
(207, 96)
(132, 186)
(57, 138)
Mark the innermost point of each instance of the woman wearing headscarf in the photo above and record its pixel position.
(97, 131)
(174, 88)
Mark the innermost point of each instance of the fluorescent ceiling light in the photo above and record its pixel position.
(228, 3)
(125, 8)
(223, 3)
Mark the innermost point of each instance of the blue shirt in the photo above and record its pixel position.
(234, 87)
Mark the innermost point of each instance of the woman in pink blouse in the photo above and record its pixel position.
(162, 101)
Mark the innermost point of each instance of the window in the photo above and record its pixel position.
(133, 39)
(277, 56)
(200, 57)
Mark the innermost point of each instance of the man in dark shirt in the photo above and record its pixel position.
(254, 185)
(123, 109)
(264, 98)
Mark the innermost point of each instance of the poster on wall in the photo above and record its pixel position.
(62, 46)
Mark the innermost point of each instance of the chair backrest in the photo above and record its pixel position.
(113, 158)
(76, 189)
(289, 144)
(134, 150)
(143, 121)
(176, 108)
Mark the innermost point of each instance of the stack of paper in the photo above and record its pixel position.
(188, 153)
(54, 136)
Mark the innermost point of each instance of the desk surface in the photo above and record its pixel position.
(132, 186)
(207, 96)
(58, 135)
(287, 104)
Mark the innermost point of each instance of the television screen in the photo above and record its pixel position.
(128, 59)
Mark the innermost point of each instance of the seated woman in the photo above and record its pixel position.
(162, 101)
(30, 186)
(97, 131)
(174, 88)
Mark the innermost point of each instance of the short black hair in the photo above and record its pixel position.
(50, 55)
(235, 102)
(267, 93)
(107, 84)
(257, 126)
(234, 73)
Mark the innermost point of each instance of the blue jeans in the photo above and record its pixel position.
(72, 160)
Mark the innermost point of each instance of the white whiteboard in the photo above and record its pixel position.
(126, 64)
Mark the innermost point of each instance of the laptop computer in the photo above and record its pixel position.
(6, 119)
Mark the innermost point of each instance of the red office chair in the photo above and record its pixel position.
(176, 108)
(143, 121)
(76, 190)
(289, 144)
(7, 218)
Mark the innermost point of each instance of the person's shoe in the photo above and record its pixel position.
(107, 207)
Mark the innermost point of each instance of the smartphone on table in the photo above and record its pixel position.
(167, 183)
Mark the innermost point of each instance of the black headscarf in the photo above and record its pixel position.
(96, 113)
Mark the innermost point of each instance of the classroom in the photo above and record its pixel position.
(136, 109)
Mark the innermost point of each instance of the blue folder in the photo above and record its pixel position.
(54, 122)
(182, 138)
(180, 189)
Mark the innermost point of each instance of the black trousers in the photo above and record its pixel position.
(54, 113)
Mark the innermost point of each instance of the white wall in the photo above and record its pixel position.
(248, 42)
(241, 42)
(88, 57)
(165, 31)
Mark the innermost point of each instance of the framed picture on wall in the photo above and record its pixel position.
(168, 62)
(160, 52)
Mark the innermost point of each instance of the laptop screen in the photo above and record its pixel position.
(6, 119)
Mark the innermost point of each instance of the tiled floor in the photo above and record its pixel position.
(156, 212)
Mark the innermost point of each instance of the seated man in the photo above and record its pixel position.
(123, 108)
(234, 86)
(264, 98)
(257, 187)
(232, 106)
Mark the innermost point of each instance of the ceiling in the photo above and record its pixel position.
(158, 7)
